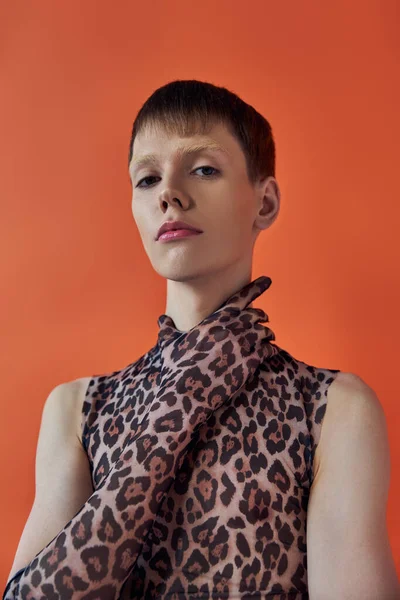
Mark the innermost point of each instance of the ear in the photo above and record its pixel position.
(268, 198)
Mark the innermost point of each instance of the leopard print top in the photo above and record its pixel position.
(201, 456)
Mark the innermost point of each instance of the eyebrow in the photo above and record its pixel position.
(182, 152)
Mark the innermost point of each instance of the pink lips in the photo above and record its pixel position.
(176, 234)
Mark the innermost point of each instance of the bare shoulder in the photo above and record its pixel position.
(347, 397)
(76, 391)
(347, 385)
(349, 392)
(348, 546)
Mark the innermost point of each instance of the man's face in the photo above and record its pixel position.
(209, 190)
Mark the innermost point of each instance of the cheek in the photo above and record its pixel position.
(239, 216)
(142, 220)
(232, 235)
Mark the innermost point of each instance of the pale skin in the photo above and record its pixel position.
(201, 271)
(348, 550)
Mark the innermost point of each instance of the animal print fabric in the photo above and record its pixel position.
(201, 457)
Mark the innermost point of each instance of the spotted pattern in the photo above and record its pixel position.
(201, 456)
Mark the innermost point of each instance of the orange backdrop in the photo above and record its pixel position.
(79, 296)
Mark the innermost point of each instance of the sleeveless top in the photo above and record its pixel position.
(223, 512)
(234, 520)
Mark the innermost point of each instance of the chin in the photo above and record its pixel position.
(183, 269)
(178, 273)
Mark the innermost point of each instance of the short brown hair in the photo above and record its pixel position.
(183, 107)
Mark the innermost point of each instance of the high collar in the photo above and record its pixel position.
(233, 306)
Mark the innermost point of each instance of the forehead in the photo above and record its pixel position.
(155, 144)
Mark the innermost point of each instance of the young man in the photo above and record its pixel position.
(222, 466)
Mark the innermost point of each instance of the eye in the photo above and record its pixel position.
(216, 172)
(144, 179)
(208, 167)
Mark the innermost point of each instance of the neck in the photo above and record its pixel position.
(192, 300)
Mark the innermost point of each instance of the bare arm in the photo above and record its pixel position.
(63, 481)
(349, 554)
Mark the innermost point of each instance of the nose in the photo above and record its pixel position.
(170, 197)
